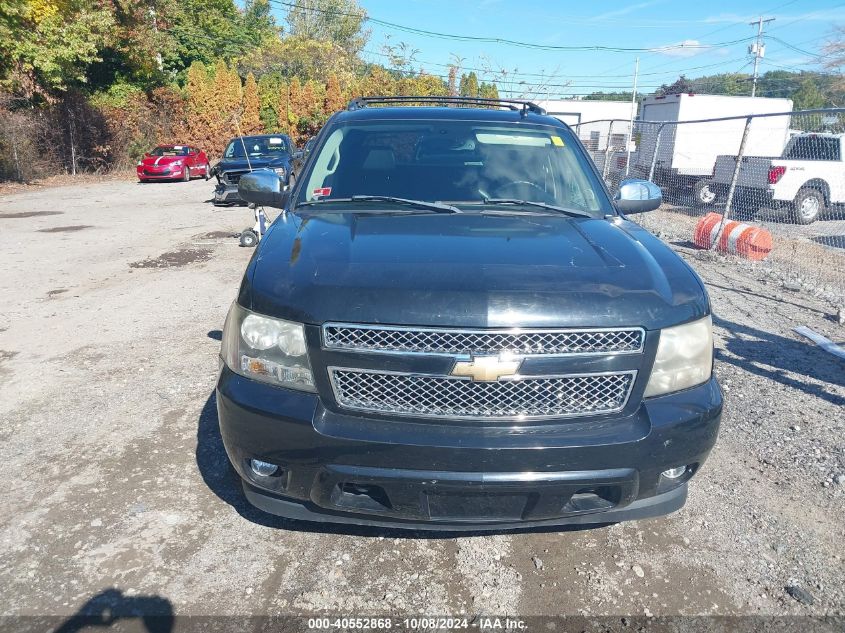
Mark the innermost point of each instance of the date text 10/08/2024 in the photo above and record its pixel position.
(483, 623)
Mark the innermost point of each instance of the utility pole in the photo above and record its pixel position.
(631, 122)
(758, 49)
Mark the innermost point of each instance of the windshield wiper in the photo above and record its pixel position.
(418, 204)
(543, 205)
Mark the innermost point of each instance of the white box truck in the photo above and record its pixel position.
(686, 153)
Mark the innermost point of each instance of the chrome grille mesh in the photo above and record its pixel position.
(444, 396)
(472, 342)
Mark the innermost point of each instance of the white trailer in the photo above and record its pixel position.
(687, 152)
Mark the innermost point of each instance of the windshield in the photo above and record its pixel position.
(175, 150)
(256, 146)
(454, 162)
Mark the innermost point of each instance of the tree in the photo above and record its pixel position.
(377, 82)
(200, 105)
(834, 52)
(258, 22)
(424, 85)
(283, 108)
(49, 45)
(338, 21)
(679, 86)
(228, 95)
(268, 97)
(469, 85)
(334, 96)
(251, 117)
(488, 90)
(453, 81)
(808, 96)
(299, 57)
(608, 96)
(208, 30)
(295, 105)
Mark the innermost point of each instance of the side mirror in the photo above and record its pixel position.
(298, 154)
(637, 196)
(263, 187)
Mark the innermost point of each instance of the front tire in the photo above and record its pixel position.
(186, 174)
(808, 205)
(705, 193)
(248, 239)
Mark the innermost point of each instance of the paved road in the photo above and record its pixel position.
(116, 486)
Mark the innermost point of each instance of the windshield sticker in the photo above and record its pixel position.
(322, 191)
(177, 147)
(557, 141)
(275, 141)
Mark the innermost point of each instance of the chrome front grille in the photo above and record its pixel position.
(450, 397)
(482, 342)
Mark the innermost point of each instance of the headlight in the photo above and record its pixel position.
(280, 171)
(266, 349)
(684, 358)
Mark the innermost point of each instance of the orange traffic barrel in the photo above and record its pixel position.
(736, 238)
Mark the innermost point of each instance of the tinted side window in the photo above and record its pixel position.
(814, 148)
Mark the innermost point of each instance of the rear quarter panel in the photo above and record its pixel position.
(802, 172)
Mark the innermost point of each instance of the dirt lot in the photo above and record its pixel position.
(116, 485)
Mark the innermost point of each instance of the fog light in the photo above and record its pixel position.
(672, 473)
(262, 469)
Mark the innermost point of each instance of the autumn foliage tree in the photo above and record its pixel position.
(334, 100)
(92, 84)
(251, 117)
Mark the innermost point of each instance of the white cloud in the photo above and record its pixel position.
(684, 48)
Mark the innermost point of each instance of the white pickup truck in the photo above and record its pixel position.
(807, 179)
(810, 176)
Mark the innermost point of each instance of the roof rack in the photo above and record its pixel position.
(512, 104)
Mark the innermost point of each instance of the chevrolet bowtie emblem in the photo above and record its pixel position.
(486, 368)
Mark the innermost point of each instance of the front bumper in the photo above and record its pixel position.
(146, 173)
(353, 469)
(225, 193)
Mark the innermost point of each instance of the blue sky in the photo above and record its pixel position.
(649, 24)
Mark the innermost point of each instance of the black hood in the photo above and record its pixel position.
(468, 270)
(259, 162)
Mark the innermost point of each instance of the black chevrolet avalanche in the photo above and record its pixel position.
(453, 325)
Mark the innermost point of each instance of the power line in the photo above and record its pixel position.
(807, 16)
(542, 75)
(795, 48)
(719, 30)
(499, 40)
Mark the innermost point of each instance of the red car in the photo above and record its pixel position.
(173, 162)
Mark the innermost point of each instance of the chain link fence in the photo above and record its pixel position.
(783, 173)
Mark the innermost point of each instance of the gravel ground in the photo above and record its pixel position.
(810, 257)
(117, 488)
